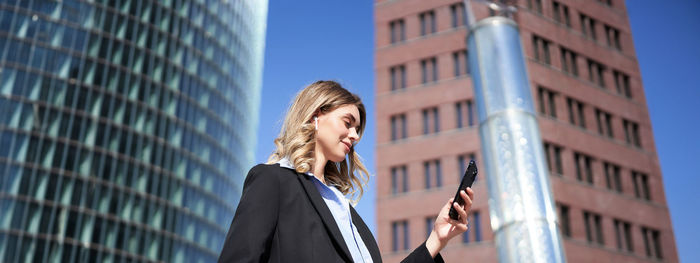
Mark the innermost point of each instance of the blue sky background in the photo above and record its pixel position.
(312, 40)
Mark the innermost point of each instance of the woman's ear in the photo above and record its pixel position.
(315, 117)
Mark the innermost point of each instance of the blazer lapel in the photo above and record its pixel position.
(325, 213)
(366, 235)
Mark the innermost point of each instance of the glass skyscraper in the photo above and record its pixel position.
(126, 126)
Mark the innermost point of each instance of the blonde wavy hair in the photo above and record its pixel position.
(296, 139)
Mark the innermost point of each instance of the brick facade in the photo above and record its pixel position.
(640, 201)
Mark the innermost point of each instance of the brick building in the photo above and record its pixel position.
(592, 112)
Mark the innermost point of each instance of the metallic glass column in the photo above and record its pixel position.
(520, 197)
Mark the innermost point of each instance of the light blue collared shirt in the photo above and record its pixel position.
(340, 208)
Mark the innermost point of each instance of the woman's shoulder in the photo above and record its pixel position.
(268, 177)
(272, 171)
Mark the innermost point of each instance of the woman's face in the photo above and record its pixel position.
(337, 132)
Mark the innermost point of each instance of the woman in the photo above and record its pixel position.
(293, 209)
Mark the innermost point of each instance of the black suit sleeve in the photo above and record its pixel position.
(253, 226)
(421, 254)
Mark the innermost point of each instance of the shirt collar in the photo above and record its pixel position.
(284, 162)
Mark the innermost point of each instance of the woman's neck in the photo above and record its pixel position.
(319, 167)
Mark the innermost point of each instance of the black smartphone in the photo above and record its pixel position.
(467, 181)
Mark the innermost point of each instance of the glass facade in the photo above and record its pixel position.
(126, 126)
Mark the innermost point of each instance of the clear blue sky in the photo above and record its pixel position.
(312, 40)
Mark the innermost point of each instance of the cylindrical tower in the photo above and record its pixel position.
(126, 126)
(523, 218)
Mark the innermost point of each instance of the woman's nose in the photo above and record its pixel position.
(353, 135)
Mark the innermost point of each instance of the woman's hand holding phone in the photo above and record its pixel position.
(445, 228)
(452, 219)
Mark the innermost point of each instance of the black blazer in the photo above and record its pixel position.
(282, 218)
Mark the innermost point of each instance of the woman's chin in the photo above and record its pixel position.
(337, 159)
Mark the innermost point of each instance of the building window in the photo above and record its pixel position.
(457, 12)
(564, 220)
(568, 61)
(596, 72)
(594, 227)
(431, 120)
(399, 179)
(540, 47)
(474, 227)
(547, 104)
(399, 235)
(433, 174)
(476, 224)
(427, 23)
(631, 133)
(466, 114)
(397, 30)
(584, 167)
(623, 235)
(553, 154)
(429, 223)
(535, 6)
(641, 185)
(398, 127)
(576, 110)
(612, 37)
(463, 162)
(561, 13)
(405, 235)
(465, 236)
(588, 26)
(612, 177)
(606, 2)
(460, 62)
(398, 77)
(429, 70)
(652, 243)
(604, 123)
(622, 84)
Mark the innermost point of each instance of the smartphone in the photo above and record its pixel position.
(467, 181)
